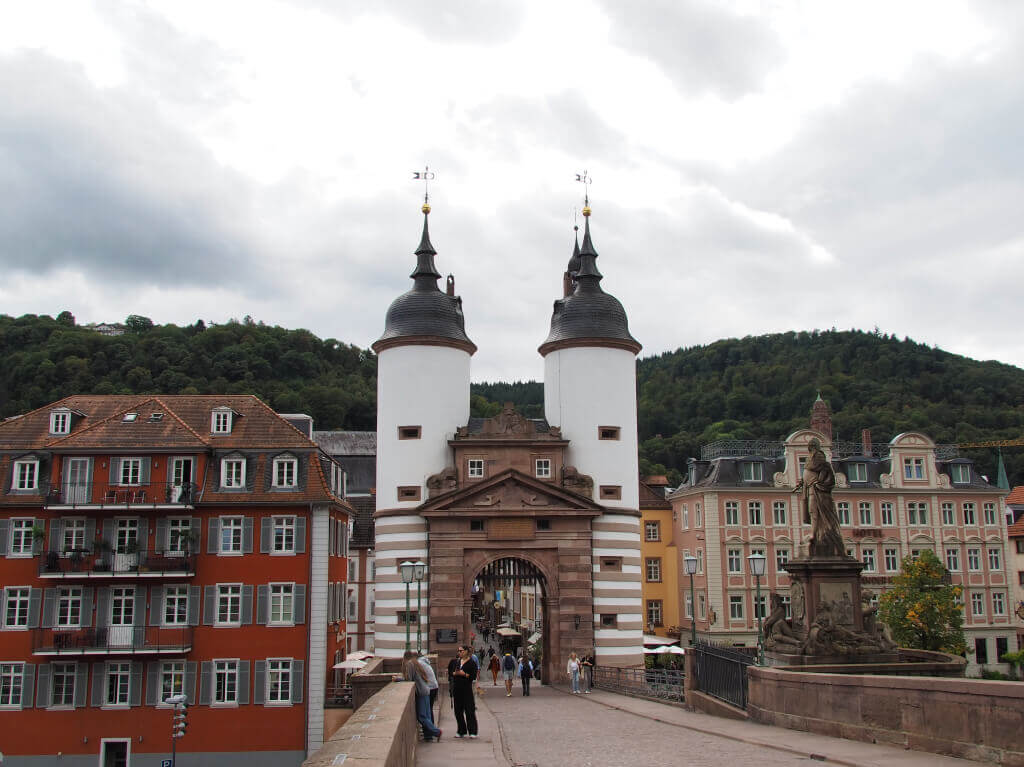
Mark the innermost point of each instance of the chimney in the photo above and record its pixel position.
(451, 285)
(821, 417)
(865, 441)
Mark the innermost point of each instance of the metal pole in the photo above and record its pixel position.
(406, 617)
(419, 623)
(757, 609)
(693, 615)
(174, 744)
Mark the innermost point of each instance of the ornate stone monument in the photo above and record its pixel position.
(830, 623)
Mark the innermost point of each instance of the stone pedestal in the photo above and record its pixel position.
(825, 580)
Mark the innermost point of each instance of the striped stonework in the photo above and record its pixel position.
(399, 537)
(617, 592)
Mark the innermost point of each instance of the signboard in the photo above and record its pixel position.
(446, 636)
(165, 763)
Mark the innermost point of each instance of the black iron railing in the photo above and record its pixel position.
(111, 639)
(90, 494)
(84, 562)
(657, 684)
(722, 672)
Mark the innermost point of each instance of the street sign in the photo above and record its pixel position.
(165, 763)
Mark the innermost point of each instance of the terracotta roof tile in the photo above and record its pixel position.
(1016, 530)
(1016, 496)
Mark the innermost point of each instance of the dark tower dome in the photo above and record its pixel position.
(425, 316)
(588, 316)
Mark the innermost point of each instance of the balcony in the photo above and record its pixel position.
(155, 495)
(113, 640)
(88, 564)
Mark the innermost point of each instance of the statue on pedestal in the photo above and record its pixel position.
(818, 507)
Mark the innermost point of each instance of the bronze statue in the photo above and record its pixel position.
(819, 508)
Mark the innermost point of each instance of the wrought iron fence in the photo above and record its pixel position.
(85, 562)
(148, 494)
(657, 684)
(112, 639)
(722, 672)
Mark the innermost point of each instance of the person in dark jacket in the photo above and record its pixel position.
(462, 682)
(525, 673)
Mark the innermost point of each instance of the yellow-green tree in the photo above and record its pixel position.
(922, 609)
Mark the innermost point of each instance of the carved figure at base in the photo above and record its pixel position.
(818, 507)
(827, 637)
(779, 634)
(873, 627)
(443, 481)
(579, 483)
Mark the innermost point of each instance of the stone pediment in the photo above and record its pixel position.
(511, 491)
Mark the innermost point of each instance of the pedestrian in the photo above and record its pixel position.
(525, 674)
(573, 669)
(587, 665)
(508, 672)
(431, 682)
(494, 667)
(462, 694)
(412, 671)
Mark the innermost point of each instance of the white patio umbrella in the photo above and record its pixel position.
(359, 655)
(351, 664)
(671, 649)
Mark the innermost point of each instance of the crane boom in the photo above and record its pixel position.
(994, 443)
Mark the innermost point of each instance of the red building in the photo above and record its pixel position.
(151, 546)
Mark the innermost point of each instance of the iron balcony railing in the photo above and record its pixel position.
(654, 683)
(722, 672)
(94, 563)
(151, 494)
(112, 640)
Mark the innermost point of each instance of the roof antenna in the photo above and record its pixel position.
(426, 176)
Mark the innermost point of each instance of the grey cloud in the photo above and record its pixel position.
(701, 45)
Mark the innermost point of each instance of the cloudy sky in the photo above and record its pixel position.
(757, 166)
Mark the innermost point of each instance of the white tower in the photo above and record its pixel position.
(423, 362)
(590, 393)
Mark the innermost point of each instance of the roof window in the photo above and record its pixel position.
(221, 420)
(129, 417)
(60, 421)
(156, 417)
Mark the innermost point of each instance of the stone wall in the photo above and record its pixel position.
(973, 719)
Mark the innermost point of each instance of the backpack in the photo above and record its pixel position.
(509, 664)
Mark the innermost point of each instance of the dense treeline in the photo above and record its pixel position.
(751, 388)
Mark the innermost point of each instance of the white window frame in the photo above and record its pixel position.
(475, 468)
(736, 607)
(913, 468)
(755, 513)
(171, 680)
(229, 596)
(18, 599)
(998, 603)
(281, 528)
(843, 510)
(970, 510)
(69, 601)
(780, 513)
(655, 609)
(892, 559)
(63, 678)
(652, 527)
(221, 421)
(948, 513)
(917, 513)
(867, 557)
(178, 616)
(281, 601)
(858, 472)
(281, 668)
(130, 472)
(285, 472)
(989, 511)
(229, 526)
(22, 540)
(12, 693)
(117, 682)
(60, 422)
(781, 560)
(734, 561)
(652, 569)
(974, 560)
(961, 473)
(888, 514)
(751, 471)
(687, 606)
(732, 513)
(865, 513)
(72, 536)
(179, 534)
(25, 475)
(995, 560)
(232, 473)
(226, 672)
(977, 604)
(953, 559)
(542, 468)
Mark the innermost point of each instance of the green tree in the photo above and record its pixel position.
(66, 318)
(922, 609)
(138, 324)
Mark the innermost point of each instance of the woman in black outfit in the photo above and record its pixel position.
(462, 681)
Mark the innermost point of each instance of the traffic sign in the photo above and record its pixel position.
(165, 763)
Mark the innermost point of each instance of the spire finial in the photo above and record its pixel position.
(426, 176)
(584, 178)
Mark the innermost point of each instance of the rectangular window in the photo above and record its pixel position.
(974, 560)
(62, 681)
(736, 607)
(732, 513)
(857, 472)
(867, 556)
(843, 507)
(752, 471)
(285, 472)
(887, 515)
(21, 537)
(653, 569)
(16, 604)
(734, 559)
(608, 432)
(69, 607)
(995, 560)
(700, 560)
(476, 468)
(702, 606)
(231, 535)
(404, 617)
(281, 604)
(409, 493)
(696, 515)
(118, 684)
(225, 681)
(221, 422)
(73, 535)
(476, 525)
(913, 468)
(787, 603)
(998, 603)
(609, 621)
(969, 515)
(26, 475)
(779, 513)
(917, 513)
(760, 606)
(60, 422)
(864, 512)
(687, 607)
(961, 473)
(990, 514)
(754, 513)
(892, 560)
(977, 605)
(781, 560)
(175, 605)
(284, 535)
(953, 560)
(232, 473)
(172, 679)
(542, 468)
(948, 514)
(11, 675)
(611, 564)
(410, 432)
(229, 604)
(1002, 646)
(131, 471)
(654, 612)
(179, 535)
(611, 492)
(279, 680)
(981, 650)
(652, 531)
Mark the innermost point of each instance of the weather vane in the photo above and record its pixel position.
(426, 176)
(584, 178)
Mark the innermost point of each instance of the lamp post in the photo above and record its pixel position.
(408, 572)
(691, 568)
(757, 564)
(179, 722)
(419, 569)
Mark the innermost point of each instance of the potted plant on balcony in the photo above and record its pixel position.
(103, 549)
(38, 536)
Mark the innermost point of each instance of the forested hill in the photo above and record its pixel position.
(752, 388)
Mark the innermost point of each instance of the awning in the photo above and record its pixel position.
(504, 632)
(534, 638)
(664, 650)
(350, 664)
(651, 639)
(359, 655)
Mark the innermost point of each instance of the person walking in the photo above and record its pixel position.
(525, 674)
(494, 667)
(573, 669)
(412, 671)
(462, 694)
(587, 665)
(508, 672)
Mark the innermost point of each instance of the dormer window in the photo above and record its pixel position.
(232, 473)
(857, 472)
(26, 475)
(913, 468)
(220, 422)
(752, 471)
(285, 471)
(60, 422)
(961, 473)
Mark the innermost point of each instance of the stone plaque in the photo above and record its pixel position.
(842, 605)
(447, 636)
(505, 529)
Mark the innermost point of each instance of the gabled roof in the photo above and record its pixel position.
(651, 498)
(144, 432)
(511, 489)
(1016, 496)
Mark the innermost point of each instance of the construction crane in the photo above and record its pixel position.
(998, 444)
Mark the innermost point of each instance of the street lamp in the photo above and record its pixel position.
(408, 573)
(757, 564)
(691, 568)
(179, 722)
(419, 569)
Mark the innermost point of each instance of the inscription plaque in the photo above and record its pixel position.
(504, 529)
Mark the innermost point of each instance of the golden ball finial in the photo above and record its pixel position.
(426, 208)
(586, 210)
